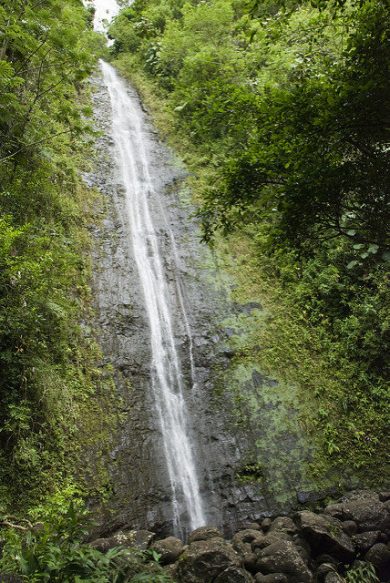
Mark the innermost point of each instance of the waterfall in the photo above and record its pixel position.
(133, 160)
(105, 11)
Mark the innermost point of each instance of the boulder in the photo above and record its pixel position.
(204, 533)
(323, 570)
(266, 524)
(269, 539)
(234, 575)
(349, 527)
(379, 556)
(250, 526)
(271, 578)
(325, 534)
(139, 539)
(334, 578)
(170, 570)
(283, 524)
(283, 557)
(169, 549)
(335, 510)
(365, 540)
(323, 558)
(384, 496)
(365, 508)
(242, 543)
(303, 547)
(104, 544)
(202, 561)
(247, 536)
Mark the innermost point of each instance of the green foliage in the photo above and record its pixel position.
(253, 472)
(362, 572)
(47, 363)
(283, 109)
(54, 550)
(148, 578)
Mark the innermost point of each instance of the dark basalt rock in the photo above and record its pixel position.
(234, 575)
(325, 534)
(365, 540)
(271, 578)
(283, 524)
(312, 496)
(349, 527)
(247, 536)
(384, 496)
(265, 525)
(283, 557)
(249, 526)
(169, 549)
(139, 539)
(269, 539)
(242, 543)
(204, 533)
(202, 561)
(333, 578)
(335, 510)
(303, 547)
(326, 559)
(310, 547)
(379, 556)
(323, 570)
(365, 508)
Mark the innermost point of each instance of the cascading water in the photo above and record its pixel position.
(150, 267)
(166, 373)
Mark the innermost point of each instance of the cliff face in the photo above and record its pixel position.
(141, 485)
(249, 449)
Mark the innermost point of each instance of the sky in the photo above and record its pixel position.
(105, 10)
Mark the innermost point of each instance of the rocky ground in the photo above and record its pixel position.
(304, 547)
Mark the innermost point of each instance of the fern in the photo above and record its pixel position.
(362, 572)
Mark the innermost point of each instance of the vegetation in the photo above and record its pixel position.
(48, 372)
(55, 550)
(362, 571)
(283, 110)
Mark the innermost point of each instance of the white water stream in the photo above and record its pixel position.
(133, 160)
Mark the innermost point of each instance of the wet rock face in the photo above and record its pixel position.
(141, 487)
